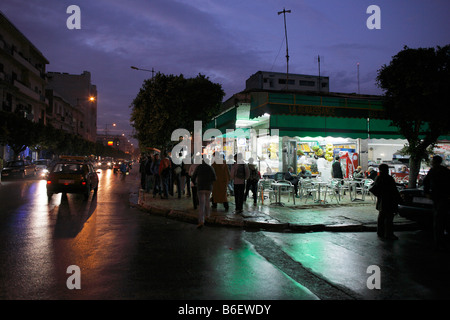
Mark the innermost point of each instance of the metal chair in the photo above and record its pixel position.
(265, 187)
(288, 189)
(307, 189)
(334, 189)
(364, 188)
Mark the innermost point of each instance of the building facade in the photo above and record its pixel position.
(79, 92)
(61, 114)
(22, 74)
(266, 80)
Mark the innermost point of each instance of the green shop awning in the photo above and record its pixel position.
(223, 121)
(313, 126)
(315, 105)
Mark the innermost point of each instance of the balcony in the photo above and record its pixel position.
(26, 63)
(27, 91)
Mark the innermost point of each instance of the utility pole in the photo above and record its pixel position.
(357, 66)
(318, 61)
(287, 51)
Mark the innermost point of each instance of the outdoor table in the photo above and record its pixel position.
(353, 185)
(278, 186)
(319, 184)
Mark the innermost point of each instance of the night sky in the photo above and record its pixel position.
(226, 40)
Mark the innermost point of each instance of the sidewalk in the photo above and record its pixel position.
(347, 216)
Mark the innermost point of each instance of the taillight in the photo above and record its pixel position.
(49, 181)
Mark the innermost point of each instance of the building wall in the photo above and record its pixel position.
(77, 90)
(296, 82)
(22, 74)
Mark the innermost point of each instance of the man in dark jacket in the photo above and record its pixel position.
(437, 187)
(204, 176)
(388, 198)
(336, 172)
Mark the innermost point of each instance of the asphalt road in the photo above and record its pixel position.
(124, 253)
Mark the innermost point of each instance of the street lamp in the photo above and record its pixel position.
(140, 69)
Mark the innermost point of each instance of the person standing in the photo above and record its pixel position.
(239, 173)
(252, 182)
(165, 168)
(142, 171)
(336, 169)
(156, 177)
(205, 176)
(220, 186)
(437, 187)
(388, 198)
(195, 163)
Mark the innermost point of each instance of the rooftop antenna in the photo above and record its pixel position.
(357, 66)
(287, 51)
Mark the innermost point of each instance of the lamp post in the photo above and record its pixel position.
(140, 69)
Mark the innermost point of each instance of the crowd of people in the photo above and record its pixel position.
(207, 182)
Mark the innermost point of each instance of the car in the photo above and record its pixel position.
(416, 206)
(42, 167)
(72, 177)
(18, 168)
(105, 165)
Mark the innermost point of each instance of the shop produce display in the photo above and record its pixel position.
(329, 152)
(317, 150)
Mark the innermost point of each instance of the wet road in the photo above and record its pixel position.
(124, 253)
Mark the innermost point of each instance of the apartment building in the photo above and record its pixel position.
(79, 92)
(22, 74)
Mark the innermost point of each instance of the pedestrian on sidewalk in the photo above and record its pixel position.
(219, 191)
(437, 187)
(142, 164)
(388, 198)
(156, 177)
(165, 168)
(205, 176)
(149, 177)
(195, 163)
(252, 181)
(239, 173)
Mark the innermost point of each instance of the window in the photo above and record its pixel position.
(306, 83)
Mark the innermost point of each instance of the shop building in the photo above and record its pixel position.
(289, 129)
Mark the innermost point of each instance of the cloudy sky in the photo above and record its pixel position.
(226, 40)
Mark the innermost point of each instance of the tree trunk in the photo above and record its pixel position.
(414, 168)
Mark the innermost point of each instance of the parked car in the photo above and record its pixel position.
(18, 168)
(416, 206)
(72, 177)
(42, 167)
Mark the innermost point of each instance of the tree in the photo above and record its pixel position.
(169, 102)
(417, 99)
(17, 131)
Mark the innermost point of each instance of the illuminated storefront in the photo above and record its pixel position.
(281, 130)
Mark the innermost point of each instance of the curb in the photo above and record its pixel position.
(273, 225)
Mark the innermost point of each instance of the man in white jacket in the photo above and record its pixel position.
(239, 174)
